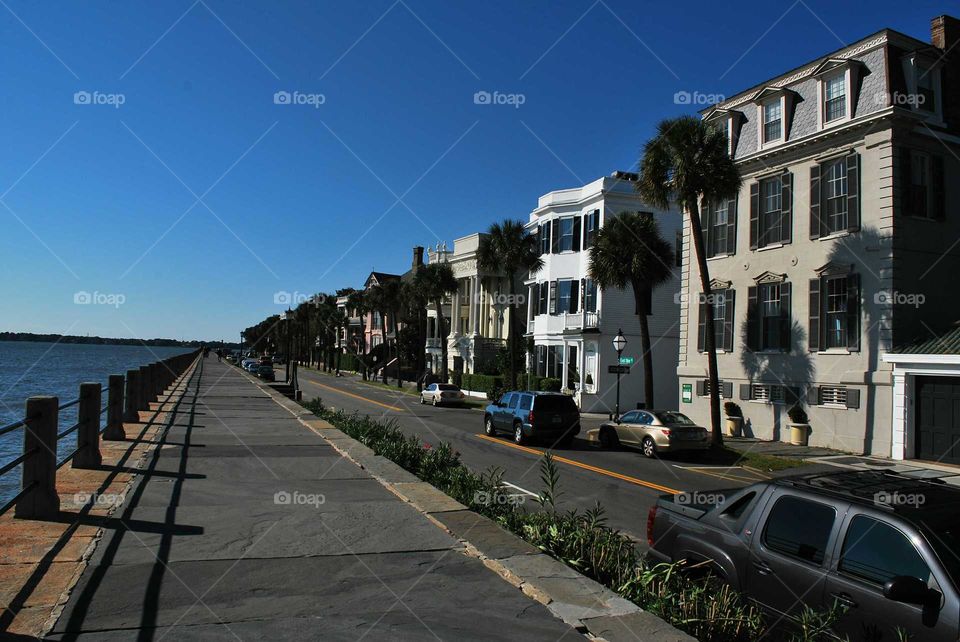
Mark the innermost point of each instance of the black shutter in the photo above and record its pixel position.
(754, 214)
(813, 396)
(728, 317)
(786, 207)
(938, 209)
(906, 183)
(732, 226)
(853, 312)
(701, 326)
(853, 398)
(555, 235)
(535, 297)
(813, 328)
(574, 295)
(726, 389)
(785, 322)
(706, 225)
(576, 233)
(745, 392)
(853, 192)
(552, 301)
(701, 388)
(753, 319)
(816, 223)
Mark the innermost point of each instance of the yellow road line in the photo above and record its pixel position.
(350, 394)
(579, 464)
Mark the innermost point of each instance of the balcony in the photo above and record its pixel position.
(356, 321)
(581, 321)
(433, 342)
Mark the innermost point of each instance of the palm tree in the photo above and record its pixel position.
(437, 282)
(393, 296)
(688, 163)
(629, 251)
(357, 302)
(510, 249)
(414, 305)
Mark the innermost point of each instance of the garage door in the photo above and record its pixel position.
(938, 419)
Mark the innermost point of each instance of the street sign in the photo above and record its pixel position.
(626, 361)
(620, 369)
(687, 394)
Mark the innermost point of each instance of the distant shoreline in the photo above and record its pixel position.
(74, 339)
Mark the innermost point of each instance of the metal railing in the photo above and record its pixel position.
(127, 395)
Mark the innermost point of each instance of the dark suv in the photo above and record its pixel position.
(551, 416)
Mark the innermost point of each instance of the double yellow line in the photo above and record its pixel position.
(350, 394)
(580, 464)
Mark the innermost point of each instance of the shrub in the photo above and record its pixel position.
(481, 382)
(732, 409)
(550, 384)
(797, 414)
(457, 379)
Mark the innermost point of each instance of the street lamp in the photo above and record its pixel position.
(287, 317)
(619, 343)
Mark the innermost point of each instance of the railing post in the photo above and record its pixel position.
(40, 469)
(88, 434)
(114, 430)
(145, 398)
(132, 398)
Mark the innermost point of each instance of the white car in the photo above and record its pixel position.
(441, 393)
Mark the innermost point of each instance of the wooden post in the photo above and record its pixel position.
(40, 469)
(88, 434)
(131, 406)
(145, 390)
(114, 430)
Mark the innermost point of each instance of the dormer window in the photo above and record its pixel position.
(835, 98)
(727, 122)
(926, 92)
(837, 89)
(772, 121)
(774, 113)
(922, 72)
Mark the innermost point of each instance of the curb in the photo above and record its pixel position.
(584, 604)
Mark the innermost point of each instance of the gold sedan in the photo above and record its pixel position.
(654, 432)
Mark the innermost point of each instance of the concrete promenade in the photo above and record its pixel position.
(246, 523)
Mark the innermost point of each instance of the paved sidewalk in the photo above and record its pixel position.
(246, 524)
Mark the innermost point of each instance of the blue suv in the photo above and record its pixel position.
(534, 415)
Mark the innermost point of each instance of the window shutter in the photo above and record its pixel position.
(906, 183)
(701, 326)
(576, 232)
(555, 235)
(706, 228)
(938, 210)
(853, 312)
(745, 392)
(754, 214)
(813, 328)
(726, 389)
(785, 321)
(728, 318)
(574, 295)
(701, 388)
(786, 207)
(853, 398)
(732, 226)
(535, 297)
(853, 192)
(813, 396)
(816, 222)
(753, 319)
(552, 301)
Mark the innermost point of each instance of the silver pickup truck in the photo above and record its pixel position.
(885, 546)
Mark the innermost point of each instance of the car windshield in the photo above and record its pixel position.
(446, 386)
(673, 418)
(555, 403)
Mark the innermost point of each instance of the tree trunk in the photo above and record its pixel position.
(444, 333)
(710, 339)
(396, 345)
(512, 333)
(647, 355)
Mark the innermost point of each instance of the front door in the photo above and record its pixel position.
(938, 419)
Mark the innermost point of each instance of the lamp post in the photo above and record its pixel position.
(619, 343)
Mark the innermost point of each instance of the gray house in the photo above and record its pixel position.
(842, 244)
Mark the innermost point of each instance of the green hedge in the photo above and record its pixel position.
(481, 383)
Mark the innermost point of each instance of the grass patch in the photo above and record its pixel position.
(767, 462)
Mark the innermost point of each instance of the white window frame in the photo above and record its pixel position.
(764, 143)
(911, 70)
(847, 98)
(836, 398)
(767, 393)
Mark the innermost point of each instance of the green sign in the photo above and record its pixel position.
(626, 361)
(687, 394)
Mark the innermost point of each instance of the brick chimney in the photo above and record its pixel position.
(417, 257)
(944, 32)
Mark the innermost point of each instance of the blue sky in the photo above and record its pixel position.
(183, 210)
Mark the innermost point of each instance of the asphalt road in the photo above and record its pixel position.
(624, 482)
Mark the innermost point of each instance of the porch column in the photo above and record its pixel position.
(455, 311)
(474, 304)
(564, 355)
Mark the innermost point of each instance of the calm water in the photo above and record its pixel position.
(28, 369)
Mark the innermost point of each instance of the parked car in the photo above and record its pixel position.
(266, 373)
(548, 416)
(250, 365)
(881, 544)
(265, 361)
(654, 432)
(441, 393)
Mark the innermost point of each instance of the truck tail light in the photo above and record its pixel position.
(651, 516)
(530, 417)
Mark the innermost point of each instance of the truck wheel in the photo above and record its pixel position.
(518, 437)
(649, 448)
(488, 427)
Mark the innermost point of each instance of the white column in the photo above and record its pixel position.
(474, 305)
(564, 355)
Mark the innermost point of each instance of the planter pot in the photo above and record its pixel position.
(799, 434)
(734, 426)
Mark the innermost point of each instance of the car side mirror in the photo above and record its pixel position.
(909, 590)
